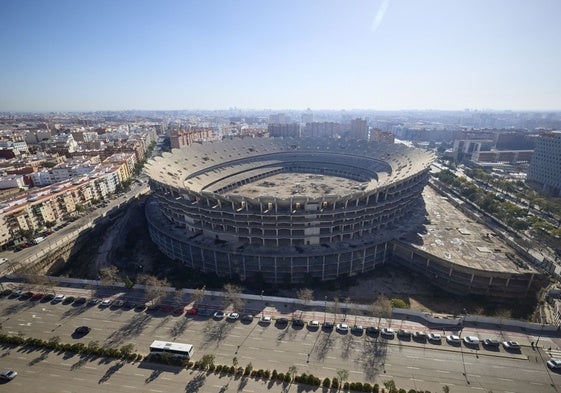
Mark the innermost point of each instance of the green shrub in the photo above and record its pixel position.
(274, 374)
(346, 386)
(376, 388)
(366, 387)
(335, 383)
(287, 377)
(267, 374)
(326, 383)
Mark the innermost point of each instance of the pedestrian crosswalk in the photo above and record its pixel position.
(554, 353)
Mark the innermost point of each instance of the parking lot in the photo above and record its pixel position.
(369, 355)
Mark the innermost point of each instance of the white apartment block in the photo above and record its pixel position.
(545, 167)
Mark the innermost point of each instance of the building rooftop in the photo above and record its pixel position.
(451, 235)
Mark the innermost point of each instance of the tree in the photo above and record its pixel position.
(446, 389)
(342, 375)
(398, 303)
(334, 307)
(154, 288)
(390, 386)
(347, 306)
(306, 295)
(207, 361)
(382, 307)
(292, 370)
(109, 275)
(232, 297)
(198, 296)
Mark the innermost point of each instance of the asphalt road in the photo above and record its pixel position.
(408, 363)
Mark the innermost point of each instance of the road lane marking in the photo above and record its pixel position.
(139, 375)
(413, 368)
(417, 380)
(129, 386)
(355, 372)
(329, 368)
(278, 350)
(90, 367)
(505, 379)
(443, 371)
(156, 390)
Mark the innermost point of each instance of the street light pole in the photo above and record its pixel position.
(324, 308)
(262, 304)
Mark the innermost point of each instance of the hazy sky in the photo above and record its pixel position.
(396, 54)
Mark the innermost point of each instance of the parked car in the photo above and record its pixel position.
(298, 322)
(357, 329)
(192, 311)
(118, 303)
(233, 316)
(80, 300)
(435, 337)
(372, 330)
(327, 326)
(471, 340)
(313, 324)
(281, 321)
(420, 336)
(453, 339)
(554, 364)
(26, 295)
(58, 298)
(48, 297)
(491, 343)
(93, 301)
(6, 292)
(342, 327)
(37, 296)
(106, 302)
(247, 318)
(219, 315)
(265, 320)
(387, 332)
(8, 375)
(512, 345)
(402, 333)
(82, 330)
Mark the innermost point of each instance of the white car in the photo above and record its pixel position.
(471, 340)
(313, 324)
(265, 319)
(106, 302)
(554, 364)
(435, 337)
(58, 298)
(118, 303)
(219, 314)
(453, 339)
(388, 332)
(342, 327)
(8, 375)
(511, 345)
(233, 316)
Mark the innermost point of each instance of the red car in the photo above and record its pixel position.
(166, 308)
(192, 311)
(37, 296)
(178, 311)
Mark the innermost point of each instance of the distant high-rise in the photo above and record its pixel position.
(284, 130)
(545, 167)
(359, 129)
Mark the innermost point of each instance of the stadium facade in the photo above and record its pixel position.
(286, 209)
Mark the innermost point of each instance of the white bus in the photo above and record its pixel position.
(171, 348)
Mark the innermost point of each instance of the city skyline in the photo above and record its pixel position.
(381, 55)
